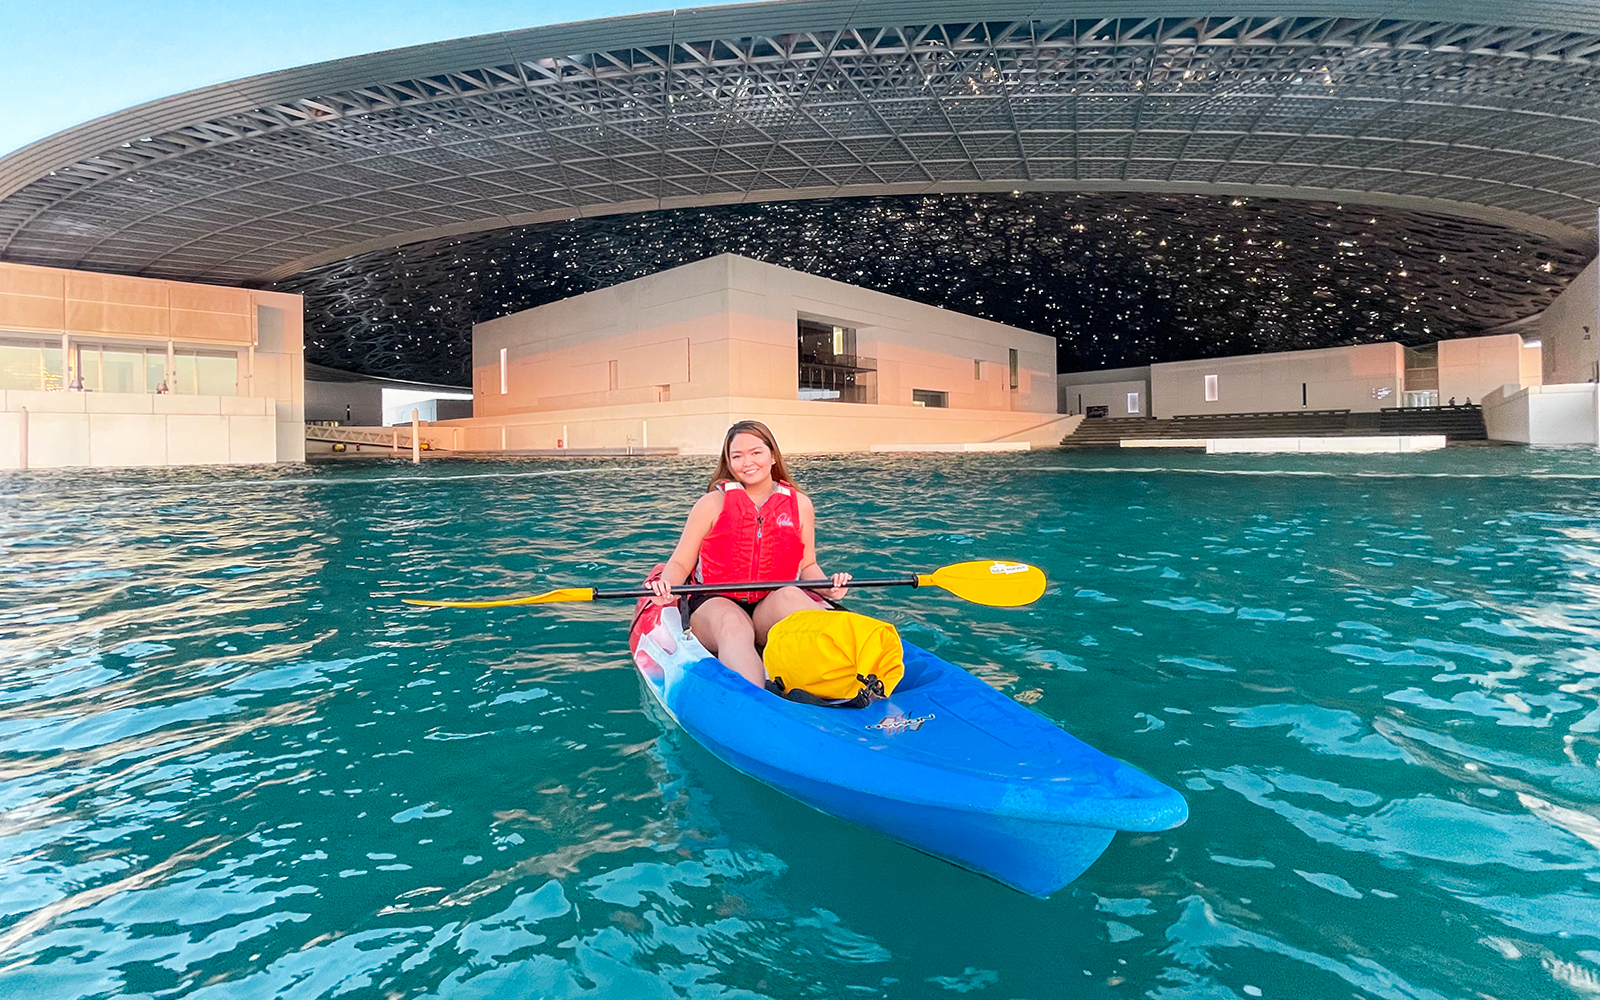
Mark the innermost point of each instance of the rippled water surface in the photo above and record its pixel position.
(232, 764)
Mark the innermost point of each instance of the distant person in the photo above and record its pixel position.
(751, 524)
(1469, 400)
(1452, 401)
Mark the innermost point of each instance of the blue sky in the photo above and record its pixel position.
(70, 61)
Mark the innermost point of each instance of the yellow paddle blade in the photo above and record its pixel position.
(548, 597)
(987, 581)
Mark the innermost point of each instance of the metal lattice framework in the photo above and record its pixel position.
(1476, 109)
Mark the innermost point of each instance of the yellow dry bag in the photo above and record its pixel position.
(833, 658)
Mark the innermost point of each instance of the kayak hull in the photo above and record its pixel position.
(1035, 857)
(947, 765)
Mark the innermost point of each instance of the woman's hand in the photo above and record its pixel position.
(841, 586)
(662, 591)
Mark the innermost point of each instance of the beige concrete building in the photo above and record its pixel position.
(672, 359)
(1565, 409)
(1363, 378)
(102, 370)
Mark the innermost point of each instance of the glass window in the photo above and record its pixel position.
(89, 367)
(829, 367)
(183, 374)
(1013, 367)
(216, 374)
(929, 397)
(155, 370)
(1211, 389)
(1133, 402)
(977, 369)
(122, 370)
(31, 364)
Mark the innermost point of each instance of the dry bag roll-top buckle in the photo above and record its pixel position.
(871, 691)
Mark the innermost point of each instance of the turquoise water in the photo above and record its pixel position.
(232, 764)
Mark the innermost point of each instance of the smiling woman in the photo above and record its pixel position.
(752, 524)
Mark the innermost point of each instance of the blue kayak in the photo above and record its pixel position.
(946, 765)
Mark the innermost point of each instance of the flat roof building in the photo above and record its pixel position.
(671, 360)
(102, 370)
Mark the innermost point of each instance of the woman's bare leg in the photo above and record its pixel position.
(726, 631)
(777, 606)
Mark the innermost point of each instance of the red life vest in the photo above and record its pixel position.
(750, 544)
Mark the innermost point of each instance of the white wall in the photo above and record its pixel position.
(1112, 395)
(663, 336)
(276, 368)
(916, 346)
(112, 430)
(696, 426)
(1472, 367)
(1108, 387)
(1550, 414)
(1365, 377)
(726, 326)
(719, 336)
(263, 422)
(1570, 329)
(355, 404)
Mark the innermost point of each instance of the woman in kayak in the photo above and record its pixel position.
(752, 524)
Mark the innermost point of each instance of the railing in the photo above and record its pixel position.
(395, 438)
(845, 378)
(840, 362)
(1274, 413)
(1458, 408)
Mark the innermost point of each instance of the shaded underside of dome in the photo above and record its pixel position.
(1118, 279)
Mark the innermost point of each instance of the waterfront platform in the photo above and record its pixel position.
(1344, 445)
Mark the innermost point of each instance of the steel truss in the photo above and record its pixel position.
(1492, 121)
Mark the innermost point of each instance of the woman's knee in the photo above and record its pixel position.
(720, 621)
(779, 605)
(791, 598)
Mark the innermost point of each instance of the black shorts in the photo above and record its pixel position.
(693, 601)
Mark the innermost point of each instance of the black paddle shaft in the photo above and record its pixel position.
(738, 588)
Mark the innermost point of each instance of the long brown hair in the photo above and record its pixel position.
(724, 473)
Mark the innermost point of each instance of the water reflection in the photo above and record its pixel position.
(231, 763)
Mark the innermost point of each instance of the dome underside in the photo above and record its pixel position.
(1118, 279)
(262, 179)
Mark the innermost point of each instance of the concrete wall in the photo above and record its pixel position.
(1365, 377)
(916, 346)
(1113, 396)
(355, 404)
(1472, 367)
(637, 342)
(696, 426)
(263, 329)
(430, 410)
(1109, 387)
(686, 345)
(1570, 330)
(111, 429)
(1550, 414)
(277, 367)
